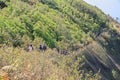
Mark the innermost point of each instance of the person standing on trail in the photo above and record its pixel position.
(44, 47)
(40, 48)
(30, 47)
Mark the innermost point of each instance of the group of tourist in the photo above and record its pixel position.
(40, 48)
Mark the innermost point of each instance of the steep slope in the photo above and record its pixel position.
(63, 21)
(103, 54)
(72, 26)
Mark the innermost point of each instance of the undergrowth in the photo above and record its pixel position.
(48, 65)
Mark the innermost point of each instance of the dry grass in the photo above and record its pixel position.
(34, 65)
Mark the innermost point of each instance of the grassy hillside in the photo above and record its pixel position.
(52, 20)
(89, 37)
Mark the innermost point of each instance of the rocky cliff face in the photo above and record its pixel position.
(102, 55)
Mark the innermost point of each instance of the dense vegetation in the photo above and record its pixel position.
(56, 22)
(70, 25)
